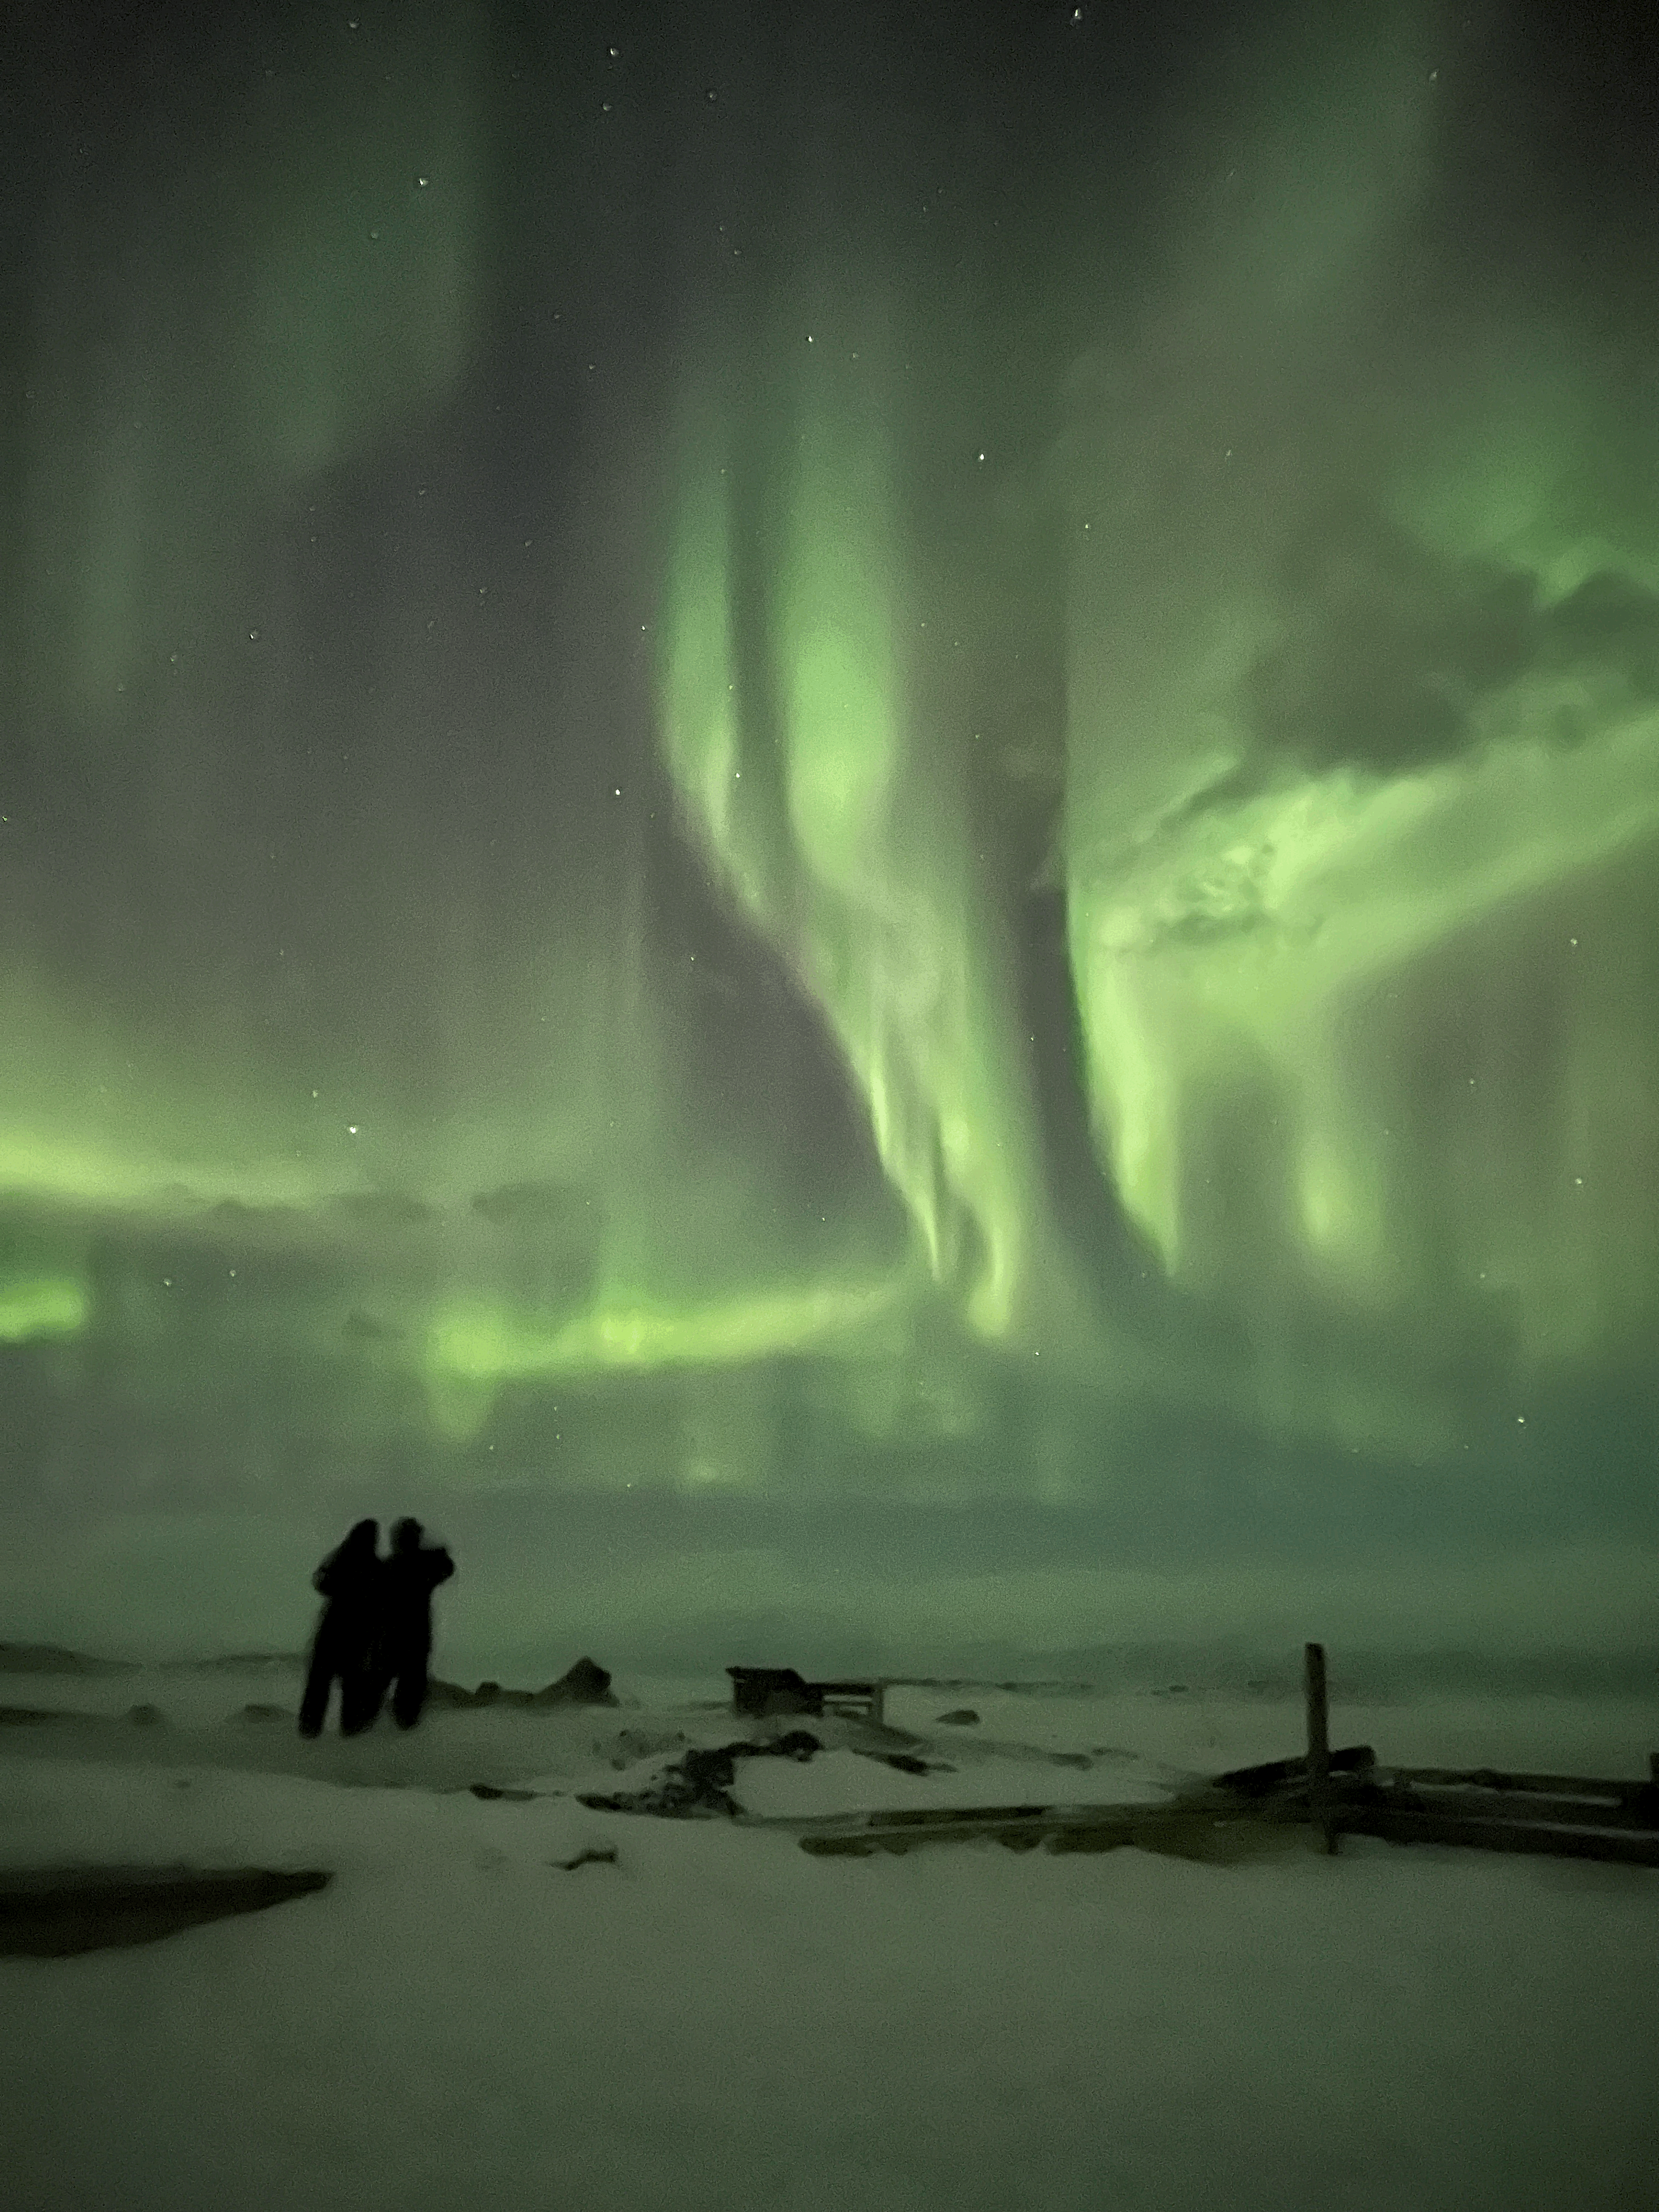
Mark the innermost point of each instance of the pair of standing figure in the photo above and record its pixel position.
(375, 1633)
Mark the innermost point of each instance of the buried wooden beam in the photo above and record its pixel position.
(1180, 1828)
(1623, 1847)
(1590, 1788)
(1528, 1800)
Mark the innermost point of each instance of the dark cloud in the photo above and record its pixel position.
(1387, 647)
(542, 1206)
(383, 1209)
(365, 1328)
(1607, 628)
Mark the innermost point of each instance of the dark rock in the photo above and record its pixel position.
(906, 1762)
(605, 1855)
(699, 1785)
(1068, 1759)
(634, 1744)
(488, 1790)
(763, 1691)
(441, 1693)
(799, 1745)
(53, 1912)
(587, 1683)
(964, 1716)
(146, 1715)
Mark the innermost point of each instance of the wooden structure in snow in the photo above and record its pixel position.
(1334, 1793)
(764, 1691)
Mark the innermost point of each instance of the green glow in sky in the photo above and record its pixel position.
(874, 903)
(1356, 792)
(1242, 938)
(473, 1344)
(323, 301)
(109, 1176)
(536, 855)
(43, 1306)
(473, 1350)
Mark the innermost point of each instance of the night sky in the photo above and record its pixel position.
(840, 819)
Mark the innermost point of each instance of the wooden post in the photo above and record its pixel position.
(879, 1703)
(1653, 1766)
(1319, 1742)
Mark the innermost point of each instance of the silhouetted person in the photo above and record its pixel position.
(409, 1578)
(350, 1578)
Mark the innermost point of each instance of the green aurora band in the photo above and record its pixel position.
(1280, 876)
(845, 847)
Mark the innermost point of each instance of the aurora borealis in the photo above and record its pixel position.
(844, 822)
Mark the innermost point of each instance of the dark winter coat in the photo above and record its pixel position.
(407, 1581)
(350, 1578)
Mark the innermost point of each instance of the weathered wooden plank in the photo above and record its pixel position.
(1206, 1831)
(928, 1816)
(1191, 1830)
(1016, 1834)
(1478, 1804)
(1499, 1835)
(1552, 1786)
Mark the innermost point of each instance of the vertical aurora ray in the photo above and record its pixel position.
(322, 296)
(845, 846)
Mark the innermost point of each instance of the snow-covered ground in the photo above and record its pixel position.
(716, 2018)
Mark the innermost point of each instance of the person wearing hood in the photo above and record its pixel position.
(411, 1575)
(349, 1579)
